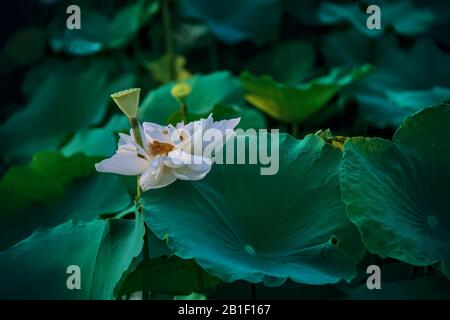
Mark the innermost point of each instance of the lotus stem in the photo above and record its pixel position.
(294, 129)
(146, 275)
(137, 137)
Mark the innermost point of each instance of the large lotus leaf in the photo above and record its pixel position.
(403, 16)
(399, 85)
(45, 178)
(399, 81)
(85, 200)
(296, 103)
(405, 103)
(98, 32)
(169, 275)
(36, 268)
(396, 192)
(288, 62)
(207, 91)
(73, 95)
(396, 65)
(155, 271)
(97, 141)
(235, 21)
(34, 77)
(238, 224)
(156, 247)
(390, 107)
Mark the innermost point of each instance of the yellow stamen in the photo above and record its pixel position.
(159, 148)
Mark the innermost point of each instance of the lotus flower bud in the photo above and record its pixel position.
(181, 90)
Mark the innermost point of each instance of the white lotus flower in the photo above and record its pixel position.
(168, 153)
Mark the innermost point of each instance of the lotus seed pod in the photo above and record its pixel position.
(127, 101)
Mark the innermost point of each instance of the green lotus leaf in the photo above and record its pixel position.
(238, 224)
(169, 275)
(97, 141)
(156, 247)
(82, 201)
(396, 192)
(391, 107)
(403, 16)
(34, 77)
(231, 27)
(297, 103)
(394, 65)
(154, 270)
(36, 268)
(399, 85)
(98, 31)
(207, 91)
(56, 188)
(71, 96)
(44, 179)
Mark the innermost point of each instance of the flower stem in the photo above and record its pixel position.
(137, 137)
(146, 294)
(136, 132)
(138, 189)
(146, 275)
(183, 111)
(168, 38)
(146, 248)
(294, 129)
